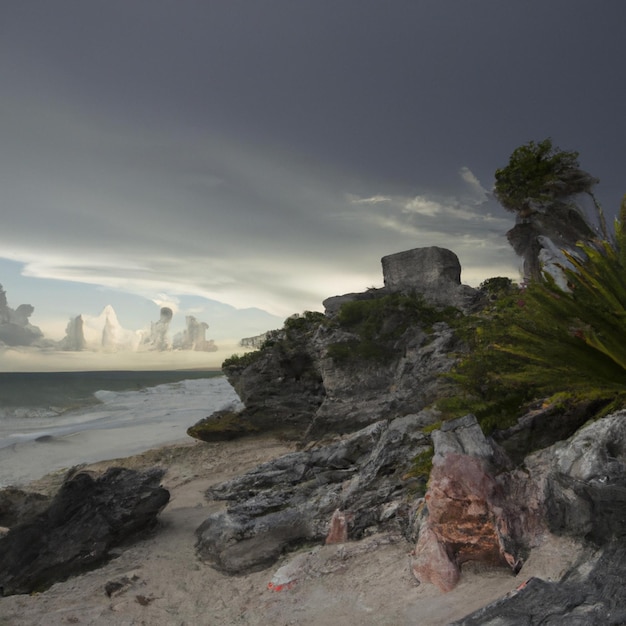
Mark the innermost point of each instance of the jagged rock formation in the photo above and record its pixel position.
(468, 516)
(330, 375)
(294, 498)
(583, 481)
(87, 517)
(575, 488)
(492, 500)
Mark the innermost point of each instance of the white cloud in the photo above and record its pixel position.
(167, 300)
(424, 206)
(378, 199)
(474, 184)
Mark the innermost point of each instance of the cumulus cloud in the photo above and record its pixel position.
(15, 328)
(105, 333)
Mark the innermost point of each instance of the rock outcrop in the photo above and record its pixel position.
(338, 373)
(468, 516)
(433, 272)
(574, 488)
(377, 359)
(88, 516)
(293, 499)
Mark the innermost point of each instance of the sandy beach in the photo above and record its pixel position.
(161, 581)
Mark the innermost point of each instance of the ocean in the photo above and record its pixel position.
(54, 420)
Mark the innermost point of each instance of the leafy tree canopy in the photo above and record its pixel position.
(540, 174)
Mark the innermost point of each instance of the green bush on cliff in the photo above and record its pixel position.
(242, 361)
(376, 323)
(296, 329)
(549, 341)
(574, 339)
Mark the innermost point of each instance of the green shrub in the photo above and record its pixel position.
(378, 322)
(309, 320)
(241, 361)
(546, 340)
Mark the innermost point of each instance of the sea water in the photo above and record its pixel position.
(50, 421)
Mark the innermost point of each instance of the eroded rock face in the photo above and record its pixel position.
(466, 510)
(362, 392)
(584, 496)
(300, 382)
(591, 594)
(292, 499)
(283, 388)
(88, 516)
(587, 487)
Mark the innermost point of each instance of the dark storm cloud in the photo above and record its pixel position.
(233, 149)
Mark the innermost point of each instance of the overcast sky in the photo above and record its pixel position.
(268, 153)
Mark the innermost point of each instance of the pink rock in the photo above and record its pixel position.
(338, 531)
(432, 564)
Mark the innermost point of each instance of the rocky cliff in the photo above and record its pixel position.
(371, 356)
(376, 462)
(358, 386)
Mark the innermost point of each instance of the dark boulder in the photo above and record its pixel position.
(87, 517)
(18, 506)
(595, 598)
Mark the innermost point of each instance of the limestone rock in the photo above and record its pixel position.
(584, 495)
(587, 488)
(591, 594)
(362, 392)
(88, 516)
(433, 272)
(290, 500)
(298, 382)
(283, 388)
(421, 266)
(467, 515)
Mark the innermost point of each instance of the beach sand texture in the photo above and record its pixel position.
(162, 583)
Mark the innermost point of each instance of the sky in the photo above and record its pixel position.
(240, 161)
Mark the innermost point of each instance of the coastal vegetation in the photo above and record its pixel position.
(375, 324)
(558, 338)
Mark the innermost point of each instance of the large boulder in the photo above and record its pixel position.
(433, 272)
(88, 516)
(467, 516)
